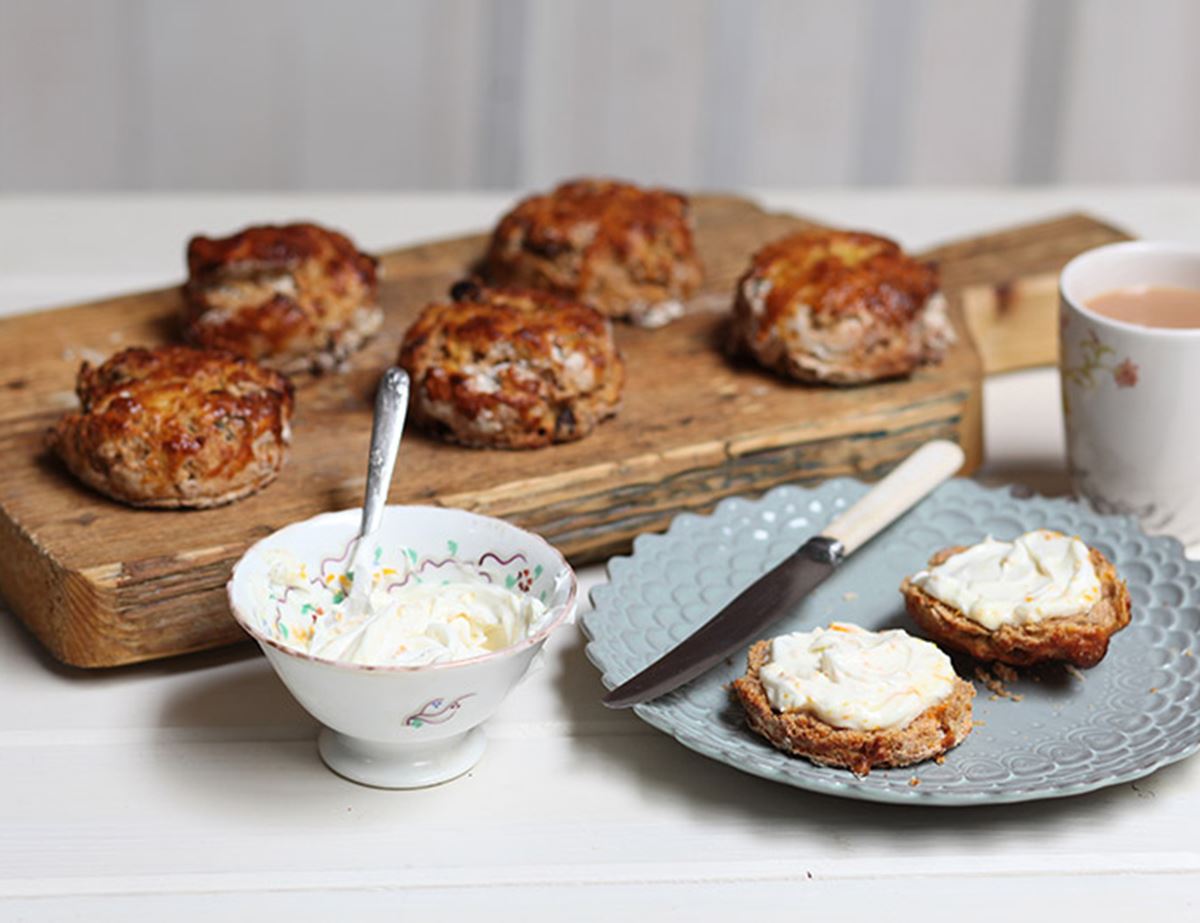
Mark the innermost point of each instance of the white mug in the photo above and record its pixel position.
(1131, 394)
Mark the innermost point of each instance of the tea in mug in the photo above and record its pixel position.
(1151, 306)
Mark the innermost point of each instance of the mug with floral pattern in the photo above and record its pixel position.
(1131, 393)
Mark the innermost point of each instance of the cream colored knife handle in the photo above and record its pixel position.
(902, 489)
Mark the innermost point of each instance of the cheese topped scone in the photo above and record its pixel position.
(295, 297)
(1043, 596)
(845, 696)
(622, 249)
(840, 307)
(174, 427)
(511, 368)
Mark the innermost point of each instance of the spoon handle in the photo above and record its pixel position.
(391, 406)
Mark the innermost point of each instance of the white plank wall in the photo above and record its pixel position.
(462, 94)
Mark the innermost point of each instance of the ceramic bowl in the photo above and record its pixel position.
(406, 726)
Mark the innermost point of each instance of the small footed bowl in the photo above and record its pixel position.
(406, 726)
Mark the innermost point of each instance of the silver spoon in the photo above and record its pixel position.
(391, 407)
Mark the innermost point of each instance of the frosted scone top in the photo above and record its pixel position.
(856, 679)
(1039, 575)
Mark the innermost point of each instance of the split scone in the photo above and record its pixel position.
(176, 427)
(510, 368)
(1041, 597)
(624, 250)
(840, 307)
(845, 696)
(295, 297)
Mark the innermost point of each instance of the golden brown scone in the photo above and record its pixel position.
(624, 250)
(511, 368)
(176, 427)
(295, 297)
(1078, 639)
(936, 730)
(840, 307)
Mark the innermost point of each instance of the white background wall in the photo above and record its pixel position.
(449, 94)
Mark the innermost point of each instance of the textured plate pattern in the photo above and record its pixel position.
(1071, 732)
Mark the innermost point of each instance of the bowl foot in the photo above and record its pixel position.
(389, 765)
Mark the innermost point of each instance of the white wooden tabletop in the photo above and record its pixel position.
(190, 788)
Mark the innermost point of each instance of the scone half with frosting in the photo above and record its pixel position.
(1041, 597)
(844, 696)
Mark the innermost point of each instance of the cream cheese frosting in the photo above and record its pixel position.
(1039, 575)
(856, 679)
(406, 622)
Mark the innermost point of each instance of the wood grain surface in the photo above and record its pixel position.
(1007, 283)
(101, 584)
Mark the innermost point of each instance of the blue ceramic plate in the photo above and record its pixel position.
(1070, 732)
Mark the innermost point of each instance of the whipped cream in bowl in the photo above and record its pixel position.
(455, 612)
(458, 608)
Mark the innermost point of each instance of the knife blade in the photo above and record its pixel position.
(752, 610)
(778, 591)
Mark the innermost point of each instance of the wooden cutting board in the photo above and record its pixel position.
(101, 584)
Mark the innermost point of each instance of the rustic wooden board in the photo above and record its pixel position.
(101, 584)
(1008, 286)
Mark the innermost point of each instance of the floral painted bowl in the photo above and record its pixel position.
(405, 726)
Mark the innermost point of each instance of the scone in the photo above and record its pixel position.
(840, 307)
(1042, 597)
(844, 696)
(511, 369)
(176, 427)
(295, 297)
(624, 250)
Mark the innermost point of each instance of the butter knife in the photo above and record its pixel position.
(779, 590)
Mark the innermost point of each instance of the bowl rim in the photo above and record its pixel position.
(531, 640)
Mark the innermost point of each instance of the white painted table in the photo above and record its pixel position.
(185, 789)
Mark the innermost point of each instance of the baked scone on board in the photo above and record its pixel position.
(1042, 597)
(624, 250)
(511, 368)
(839, 307)
(176, 427)
(295, 297)
(844, 696)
